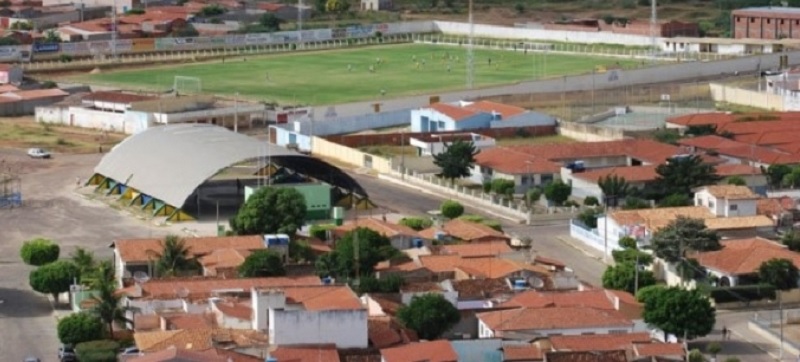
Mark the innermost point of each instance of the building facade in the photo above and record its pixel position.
(766, 23)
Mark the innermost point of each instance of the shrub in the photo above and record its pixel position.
(320, 231)
(451, 209)
(487, 186)
(502, 186)
(627, 242)
(589, 218)
(742, 293)
(416, 223)
(79, 327)
(534, 195)
(39, 252)
(591, 201)
(97, 351)
(570, 203)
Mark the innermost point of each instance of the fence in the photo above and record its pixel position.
(165, 57)
(749, 98)
(590, 237)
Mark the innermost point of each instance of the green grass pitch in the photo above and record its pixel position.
(347, 75)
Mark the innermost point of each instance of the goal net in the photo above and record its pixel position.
(187, 85)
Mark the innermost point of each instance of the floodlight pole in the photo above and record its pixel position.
(236, 113)
(114, 31)
(299, 23)
(470, 53)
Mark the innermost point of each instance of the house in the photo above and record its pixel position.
(410, 291)
(522, 353)
(464, 230)
(638, 345)
(387, 332)
(376, 5)
(600, 299)
(201, 339)
(310, 315)
(181, 355)
(593, 356)
(477, 250)
(409, 270)
(740, 259)
(305, 353)
(400, 236)
(766, 23)
(217, 253)
(462, 116)
(10, 74)
(133, 113)
(24, 102)
(538, 165)
(432, 351)
(231, 314)
(434, 144)
(726, 200)
(172, 293)
(458, 268)
(122, 5)
(543, 322)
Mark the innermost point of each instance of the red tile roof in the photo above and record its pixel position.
(174, 354)
(513, 353)
(593, 356)
(728, 169)
(709, 142)
(466, 231)
(525, 319)
(116, 97)
(381, 227)
(200, 288)
(758, 127)
(237, 310)
(326, 297)
(745, 256)
(644, 173)
(143, 250)
(456, 113)
(433, 351)
(598, 342)
(505, 110)
(190, 321)
(659, 349)
(477, 249)
(700, 119)
(306, 353)
(32, 94)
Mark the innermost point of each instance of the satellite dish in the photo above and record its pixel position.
(536, 282)
(141, 277)
(182, 292)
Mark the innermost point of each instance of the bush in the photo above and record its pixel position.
(571, 203)
(451, 209)
(487, 187)
(534, 195)
(591, 201)
(79, 327)
(502, 186)
(589, 218)
(416, 223)
(38, 252)
(742, 293)
(320, 231)
(627, 242)
(97, 351)
(480, 220)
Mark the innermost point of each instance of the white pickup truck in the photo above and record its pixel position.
(38, 153)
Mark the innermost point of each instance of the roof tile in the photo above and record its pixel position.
(524, 319)
(200, 288)
(433, 351)
(306, 353)
(598, 342)
(526, 353)
(143, 250)
(477, 249)
(745, 256)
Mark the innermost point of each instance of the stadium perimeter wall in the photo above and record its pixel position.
(564, 36)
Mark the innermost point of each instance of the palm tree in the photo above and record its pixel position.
(175, 257)
(106, 305)
(102, 273)
(85, 261)
(613, 188)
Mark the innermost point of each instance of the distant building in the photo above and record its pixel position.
(376, 5)
(10, 74)
(445, 117)
(766, 23)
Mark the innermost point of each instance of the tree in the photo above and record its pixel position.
(271, 210)
(792, 240)
(502, 186)
(591, 201)
(79, 327)
(520, 8)
(681, 235)
(176, 258)
(736, 180)
(54, 278)
(627, 242)
(792, 179)
(107, 305)
(336, 6)
(416, 223)
(6, 41)
(103, 272)
(696, 356)
(319, 6)
(557, 192)
(262, 263)
(775, 174)
(300, 250)
(678, 311)
(451, 209)
(533, 195)
(629, 255)
(589, 217)
(211, 10)
(185, 31)
(38, 252)
(675, 200)
(50, 36)
(372, 249)
(270, 22)
(84, 259)
(623, 277)
(391, 284)
(682, 174)
(634, 203)
(613, 188)
(690, 269)
(780, 273)
(713, 349)
(457, 159)
(429, 315)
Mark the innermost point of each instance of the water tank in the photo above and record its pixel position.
(520, 284)
(271, 359)
(276, 240)
(419, 243)
(338, 215)
(327, 280)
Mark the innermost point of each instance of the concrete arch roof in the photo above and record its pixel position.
(170, 162)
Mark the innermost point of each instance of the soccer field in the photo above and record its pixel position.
(338, 76)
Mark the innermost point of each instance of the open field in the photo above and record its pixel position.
(330, 77)
(24, 132)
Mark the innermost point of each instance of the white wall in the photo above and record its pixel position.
(57, 115)
(345, 328)
(373, 308)
(485, 332)
(743, 207)
(445, 122)
(502, 32)
(722, 207)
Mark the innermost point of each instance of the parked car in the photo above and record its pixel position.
(66, 353)
(38, 153)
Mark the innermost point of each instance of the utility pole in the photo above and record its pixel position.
(636, 274)
(780, 309)
(402, 155)
(605, 232)
(653, 27)
(299, 24)
(114, 31)
(236, 114)
(470, 50)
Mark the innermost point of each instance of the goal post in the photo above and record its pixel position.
(183, 85)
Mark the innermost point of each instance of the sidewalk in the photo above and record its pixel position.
(584, 249)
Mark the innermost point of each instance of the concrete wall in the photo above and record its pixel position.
(721, 93)
(322, 126)
(589, 133)
(502, 32)
(345, 328)
(326, 149)
(285, 137)
(525, 120)
(26, 107)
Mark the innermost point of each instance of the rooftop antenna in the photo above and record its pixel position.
(470, 54)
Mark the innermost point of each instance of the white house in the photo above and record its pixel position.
(460, 116)
(429, 145)
(310, 315)
(231, 314)
(726, 200)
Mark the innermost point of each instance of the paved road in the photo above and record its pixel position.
(546, 239)
(53, 210)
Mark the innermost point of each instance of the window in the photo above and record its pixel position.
(617, 331)
(524, 180)
(546, 179)
(769, 21)
(697, 202)
(738, 19)
(752, 20)
(782, 21)
(711, 204)
(733, 207)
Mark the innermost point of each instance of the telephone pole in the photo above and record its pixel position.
(653, 29)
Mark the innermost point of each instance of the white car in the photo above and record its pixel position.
(38, 153)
